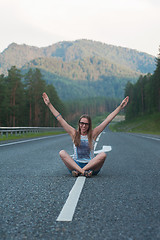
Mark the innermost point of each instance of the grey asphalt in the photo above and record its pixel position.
(122, 202)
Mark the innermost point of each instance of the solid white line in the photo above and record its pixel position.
(68, 209)
(95, 145)
(157, 139)
(153, 138)
(29, 140)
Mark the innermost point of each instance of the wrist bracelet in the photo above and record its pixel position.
(58, 115)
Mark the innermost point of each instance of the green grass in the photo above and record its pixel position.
(149, 124)
(29, 135)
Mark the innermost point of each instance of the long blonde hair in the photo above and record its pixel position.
(89, 132)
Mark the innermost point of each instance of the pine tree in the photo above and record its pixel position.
(29, 95)
(156, 83)
(38, 87)
(14, 92)
(3, 105)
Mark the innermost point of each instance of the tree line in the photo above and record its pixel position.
(92, 106)
(144, 94)
(21, 102)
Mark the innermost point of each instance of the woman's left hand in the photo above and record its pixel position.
(124, 102)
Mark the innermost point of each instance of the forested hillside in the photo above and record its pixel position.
(89, 77)
(81, 68)
(90, 69)
(21, 101)
(144, 94)
(18, 55)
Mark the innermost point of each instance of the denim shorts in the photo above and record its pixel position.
(81, 164)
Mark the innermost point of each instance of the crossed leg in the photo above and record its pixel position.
(94, 164)
(69, 162)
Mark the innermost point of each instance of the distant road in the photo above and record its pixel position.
(122, 202)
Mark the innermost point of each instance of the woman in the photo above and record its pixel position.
(84, 162)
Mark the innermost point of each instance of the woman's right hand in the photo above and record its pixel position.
(46, 99)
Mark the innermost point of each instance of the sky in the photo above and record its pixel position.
(133, 24)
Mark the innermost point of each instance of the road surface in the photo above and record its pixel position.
(122, 202)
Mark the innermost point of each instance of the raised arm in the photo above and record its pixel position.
(69, 129)
(109, 118)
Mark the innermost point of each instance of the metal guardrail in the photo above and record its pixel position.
(23, 130)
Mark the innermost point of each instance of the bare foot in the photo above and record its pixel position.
(88, 173)
(75, 173)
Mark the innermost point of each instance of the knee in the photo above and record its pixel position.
(104, 155)
(62, 153)
(101, 157)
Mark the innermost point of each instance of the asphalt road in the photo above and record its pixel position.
(122, 202)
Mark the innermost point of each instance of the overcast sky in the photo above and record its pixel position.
(127, 23)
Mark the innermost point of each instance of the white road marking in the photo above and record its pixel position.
(29, 140)
(153, 138)
(104, 149)
(68, 209)
(157, 139)
(95, 145)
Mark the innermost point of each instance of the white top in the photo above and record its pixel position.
(83, 153)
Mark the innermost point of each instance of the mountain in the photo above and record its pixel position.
(82, 64)
(79, 49)
(90, 69)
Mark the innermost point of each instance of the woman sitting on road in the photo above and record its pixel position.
(83, 163)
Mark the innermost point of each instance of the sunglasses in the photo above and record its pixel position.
(83, 123)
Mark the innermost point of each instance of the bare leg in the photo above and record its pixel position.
(96, 163)
(69, 162)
